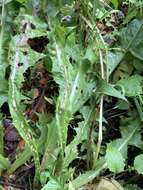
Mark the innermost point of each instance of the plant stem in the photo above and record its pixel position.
(100, 132)
(102, 97)
(2, 14)
(139, 109)
(2, 29)
(100, 113)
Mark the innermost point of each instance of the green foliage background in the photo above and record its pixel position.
(89, 66)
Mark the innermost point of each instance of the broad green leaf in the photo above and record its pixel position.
(74, 88)
(115, 3)
(113, 60)
(114, 159)
(52, 8)
(122, 105)
(26, 57)
(22, 126)
(138, 65)
(21, 1)
(3, 86)
(37, 33)
(138, 164)
(87, 176)
(119, 142)
(51, 148)
(132, 12)
(71, 187)
(71, 153)
(132, 38)
(27, 153)
(132, 85)
(108, 89)
(72, 63)
(21, 159)
(90, 175)
(127, 128)
(53, 184)
(17, 56)
(4, 163)
(71, 150)
(90, 54)
(3, 98)
(43, 177)
(123, 71)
